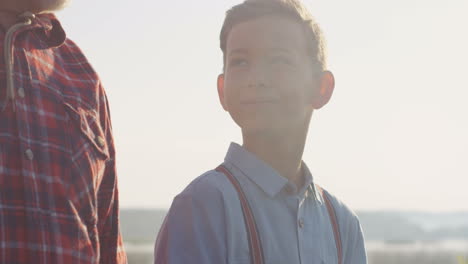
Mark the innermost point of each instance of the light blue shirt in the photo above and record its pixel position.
(205, 223)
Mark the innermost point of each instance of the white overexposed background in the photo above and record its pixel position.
(394, 136)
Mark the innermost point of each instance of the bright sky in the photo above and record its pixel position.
(394, 136)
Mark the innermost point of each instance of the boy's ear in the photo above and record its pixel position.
(220, 84)
(324, 91)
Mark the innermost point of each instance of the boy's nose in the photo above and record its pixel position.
(258, 76)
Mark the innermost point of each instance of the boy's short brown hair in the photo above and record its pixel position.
(292, 9)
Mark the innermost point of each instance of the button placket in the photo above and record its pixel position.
(300, 216)
(300, 227)
(301, 223)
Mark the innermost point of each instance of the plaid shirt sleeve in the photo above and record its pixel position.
(111, 245)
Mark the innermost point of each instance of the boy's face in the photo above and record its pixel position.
(269, 82)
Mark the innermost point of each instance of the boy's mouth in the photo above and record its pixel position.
(266, 100)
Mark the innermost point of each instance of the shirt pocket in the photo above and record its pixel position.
(90, 132)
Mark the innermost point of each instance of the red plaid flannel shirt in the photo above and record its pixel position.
(58, 186)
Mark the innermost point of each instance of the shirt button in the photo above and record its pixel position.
(100, 141)
(301, 223)
(21, 92)
(29, 154)
(289, 189)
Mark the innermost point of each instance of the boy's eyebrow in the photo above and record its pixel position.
(237, 51)
(242, 51)
(284, 50)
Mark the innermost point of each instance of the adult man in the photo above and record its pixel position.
(261, 205)
(58, 187)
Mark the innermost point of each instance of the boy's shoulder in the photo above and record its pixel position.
(208, 186)
(338, 204)
(347, 218)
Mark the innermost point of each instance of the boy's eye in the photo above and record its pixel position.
(238, 62)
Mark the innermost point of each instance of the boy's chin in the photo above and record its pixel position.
(271, 128)
(260, 129)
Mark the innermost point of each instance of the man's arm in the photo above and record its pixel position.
(110, 239)
(194, 229)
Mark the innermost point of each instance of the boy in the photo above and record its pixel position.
(261, 205)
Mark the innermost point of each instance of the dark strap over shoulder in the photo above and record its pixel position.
(256, 251)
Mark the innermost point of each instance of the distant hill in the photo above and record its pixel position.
(142, 226)
(414, 225)
(389, 226)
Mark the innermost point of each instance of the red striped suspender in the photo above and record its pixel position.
(256, 251)
(334, 221)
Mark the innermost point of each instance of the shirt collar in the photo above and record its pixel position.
(263, 175)
(49, 30)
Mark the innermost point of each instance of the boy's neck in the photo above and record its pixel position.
(283, 152)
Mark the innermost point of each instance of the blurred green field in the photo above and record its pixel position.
(140, 258)
(417, 258)
(374, 257)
